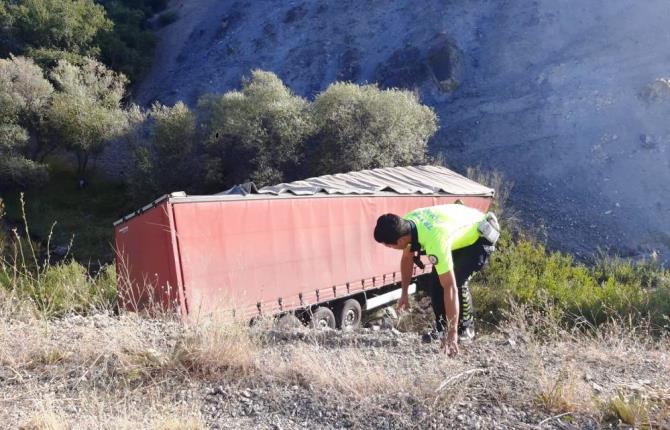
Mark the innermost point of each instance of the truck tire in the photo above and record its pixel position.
(349, 315)
(322, 318)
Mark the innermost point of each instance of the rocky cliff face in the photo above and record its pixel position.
(566, 97)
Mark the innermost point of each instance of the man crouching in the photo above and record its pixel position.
(457, 240)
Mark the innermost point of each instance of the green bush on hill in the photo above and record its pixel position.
(363, 127)
(522, 271)
(68, 26)
(114, 31)
(86, 111)
(24, 94)
(165, 161)
(81, 115)
(266, 134)
(257, 133)
(129, 47)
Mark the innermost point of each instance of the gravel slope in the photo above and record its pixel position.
(128, 372)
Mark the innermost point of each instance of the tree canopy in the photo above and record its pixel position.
(266, 134)
(363, 127)
(52, 25)
(86, 111)
(24, 96)
(257, 133)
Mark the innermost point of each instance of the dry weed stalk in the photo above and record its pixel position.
(218, 349)
(46, 420)
(563, 392)
(347, 372)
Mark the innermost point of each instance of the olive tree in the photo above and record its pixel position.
(24, 83)
(363, 127)
(86, 110)
(165, 161)
(51, 26)
(257, 133)
(15, 169)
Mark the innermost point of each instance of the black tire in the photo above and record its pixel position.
(322, 318)
(350, 315)
(288, 322)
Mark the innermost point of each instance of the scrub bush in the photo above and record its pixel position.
(165, 159)
(363, 127)
(87, 112)
(24, 95)
(255, 134)
(523, 271)
(128, 48)
(53, 289)
(67, 25)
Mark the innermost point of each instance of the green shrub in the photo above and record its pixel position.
(129, 47)
(166, 161)
(522, 271)
(54, 289)
(61, 288)
(24, 94)
(19, 172)
(363, 127)
(255, 134)
(87, 112)
(68, 25)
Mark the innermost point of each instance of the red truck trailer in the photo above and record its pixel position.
(305, 246)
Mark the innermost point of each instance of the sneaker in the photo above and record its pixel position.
(431, 336)
(466, 334)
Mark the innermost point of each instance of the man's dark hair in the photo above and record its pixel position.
(390, 228)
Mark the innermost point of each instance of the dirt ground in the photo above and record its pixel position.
(113, 372)
(567, 98)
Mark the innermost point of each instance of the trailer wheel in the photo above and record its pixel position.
(322, 318)
(349, 315)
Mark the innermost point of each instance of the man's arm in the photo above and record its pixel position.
(406, 265)
(451, 307)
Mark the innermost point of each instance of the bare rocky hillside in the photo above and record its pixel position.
(565, 97)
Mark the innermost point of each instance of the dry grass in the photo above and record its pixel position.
(45, 420)
(130, 372)
(350, 372)
(217, 350)
(563, 392)
(102, 412)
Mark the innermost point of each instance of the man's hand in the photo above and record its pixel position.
(403, 303)
(450, 343)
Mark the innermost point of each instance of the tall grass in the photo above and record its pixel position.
(52, 287)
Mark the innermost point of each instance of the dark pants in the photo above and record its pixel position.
(466, 261)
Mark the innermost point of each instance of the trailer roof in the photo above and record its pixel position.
(398, 180)
(413, 180)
